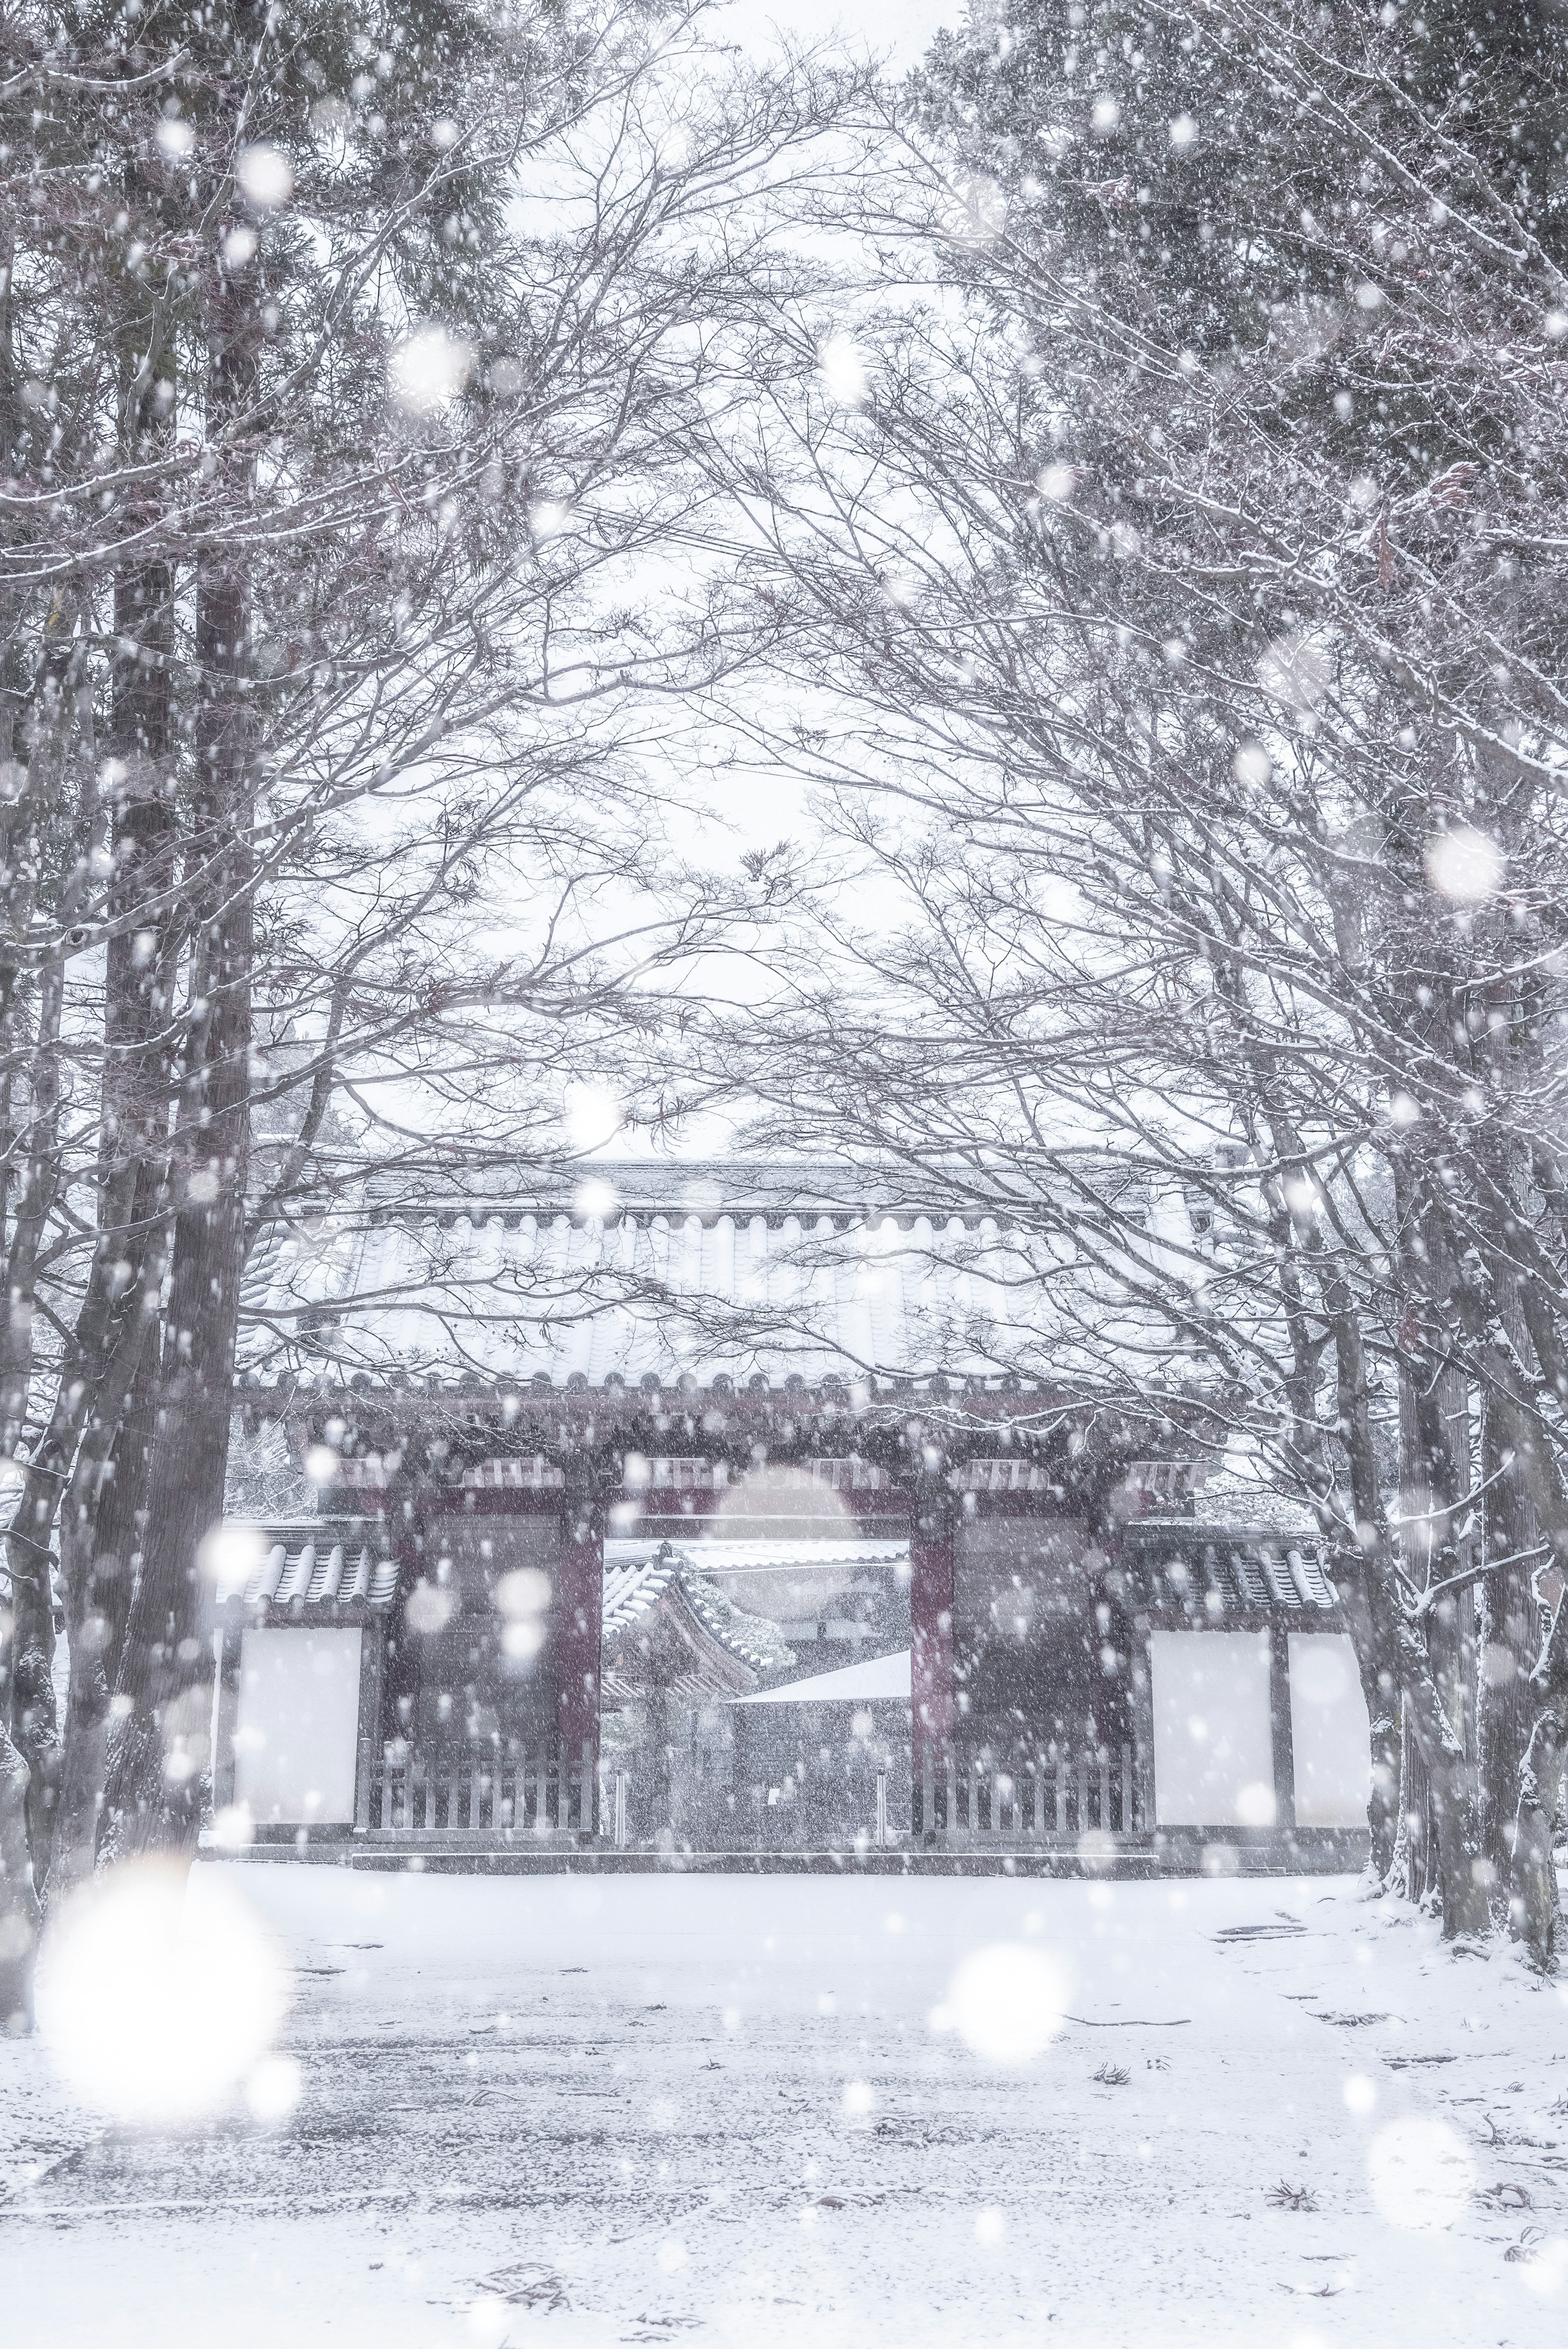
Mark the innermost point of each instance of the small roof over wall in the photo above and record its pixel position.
(705, 1554)
(1209, 1571)
(880, 1680)
(311, 1564)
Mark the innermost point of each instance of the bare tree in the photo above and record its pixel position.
(1178, 642)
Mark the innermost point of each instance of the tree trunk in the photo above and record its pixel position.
(1445, 1768)
(1522, 1706)
(18, 1900)
(99, 1554)
(1436, 1690)
(1535, 1915)
(1503, 1711)
(1366, 1581)
(1533, 1909)
(1361, 1583)
(99, 1540)
(27, 1647)
(159, 1751)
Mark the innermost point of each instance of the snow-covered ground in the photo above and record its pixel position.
(567, 2112)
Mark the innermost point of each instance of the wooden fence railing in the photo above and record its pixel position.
(1058, 1797)
(546, 1793)
(1054, 1799)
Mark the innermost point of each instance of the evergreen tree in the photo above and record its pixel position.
(347, 364)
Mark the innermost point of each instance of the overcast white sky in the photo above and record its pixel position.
(900, 29)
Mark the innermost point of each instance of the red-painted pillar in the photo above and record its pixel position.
(579, 1614)
(931, 1633)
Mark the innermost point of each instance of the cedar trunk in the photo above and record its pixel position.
(159, 1758)
(99, 1541)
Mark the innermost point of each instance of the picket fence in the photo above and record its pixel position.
(956, 1799)
(541, 1794)
(1057, 1797)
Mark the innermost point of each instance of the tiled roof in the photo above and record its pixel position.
(755, 1639)
(630, 1589)
(712, 1553)
(634, 1585)
(877, 1680)
(728, 1280)
(315, 1563)
(1212, 1571)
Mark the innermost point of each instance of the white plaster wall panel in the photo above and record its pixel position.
(1213, 1742)
(297, 1731)
(1330, 1733)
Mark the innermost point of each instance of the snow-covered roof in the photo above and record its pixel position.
(711, 1554)
(631, 1587)
(636, 1578)
(315, 1562)
(880, 1680)
(1215, 1570)
(1253, 1506)
(729, 1278)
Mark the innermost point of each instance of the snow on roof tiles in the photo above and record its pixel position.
(1216, 1570)
(712, 1554)
(634, 1585)
(878, 1679)
(314, 1563)
(661, 1292)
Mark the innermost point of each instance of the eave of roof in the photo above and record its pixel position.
(706, 1188)
(670, 1624)
(1182, 1566)
(713, 1554)
(317, 1565)
(874, 1679)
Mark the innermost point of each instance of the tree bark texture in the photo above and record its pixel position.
(20, 1915)
(101, 1538)
(159, 1759)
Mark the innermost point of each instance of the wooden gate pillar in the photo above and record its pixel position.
(931, 1698)
(579, 1617)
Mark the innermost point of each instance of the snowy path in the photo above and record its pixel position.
(560, 2113)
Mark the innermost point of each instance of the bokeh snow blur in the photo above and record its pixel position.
(1465, 864)
(159, 1994)
(1007, 2002)
(426, 369)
